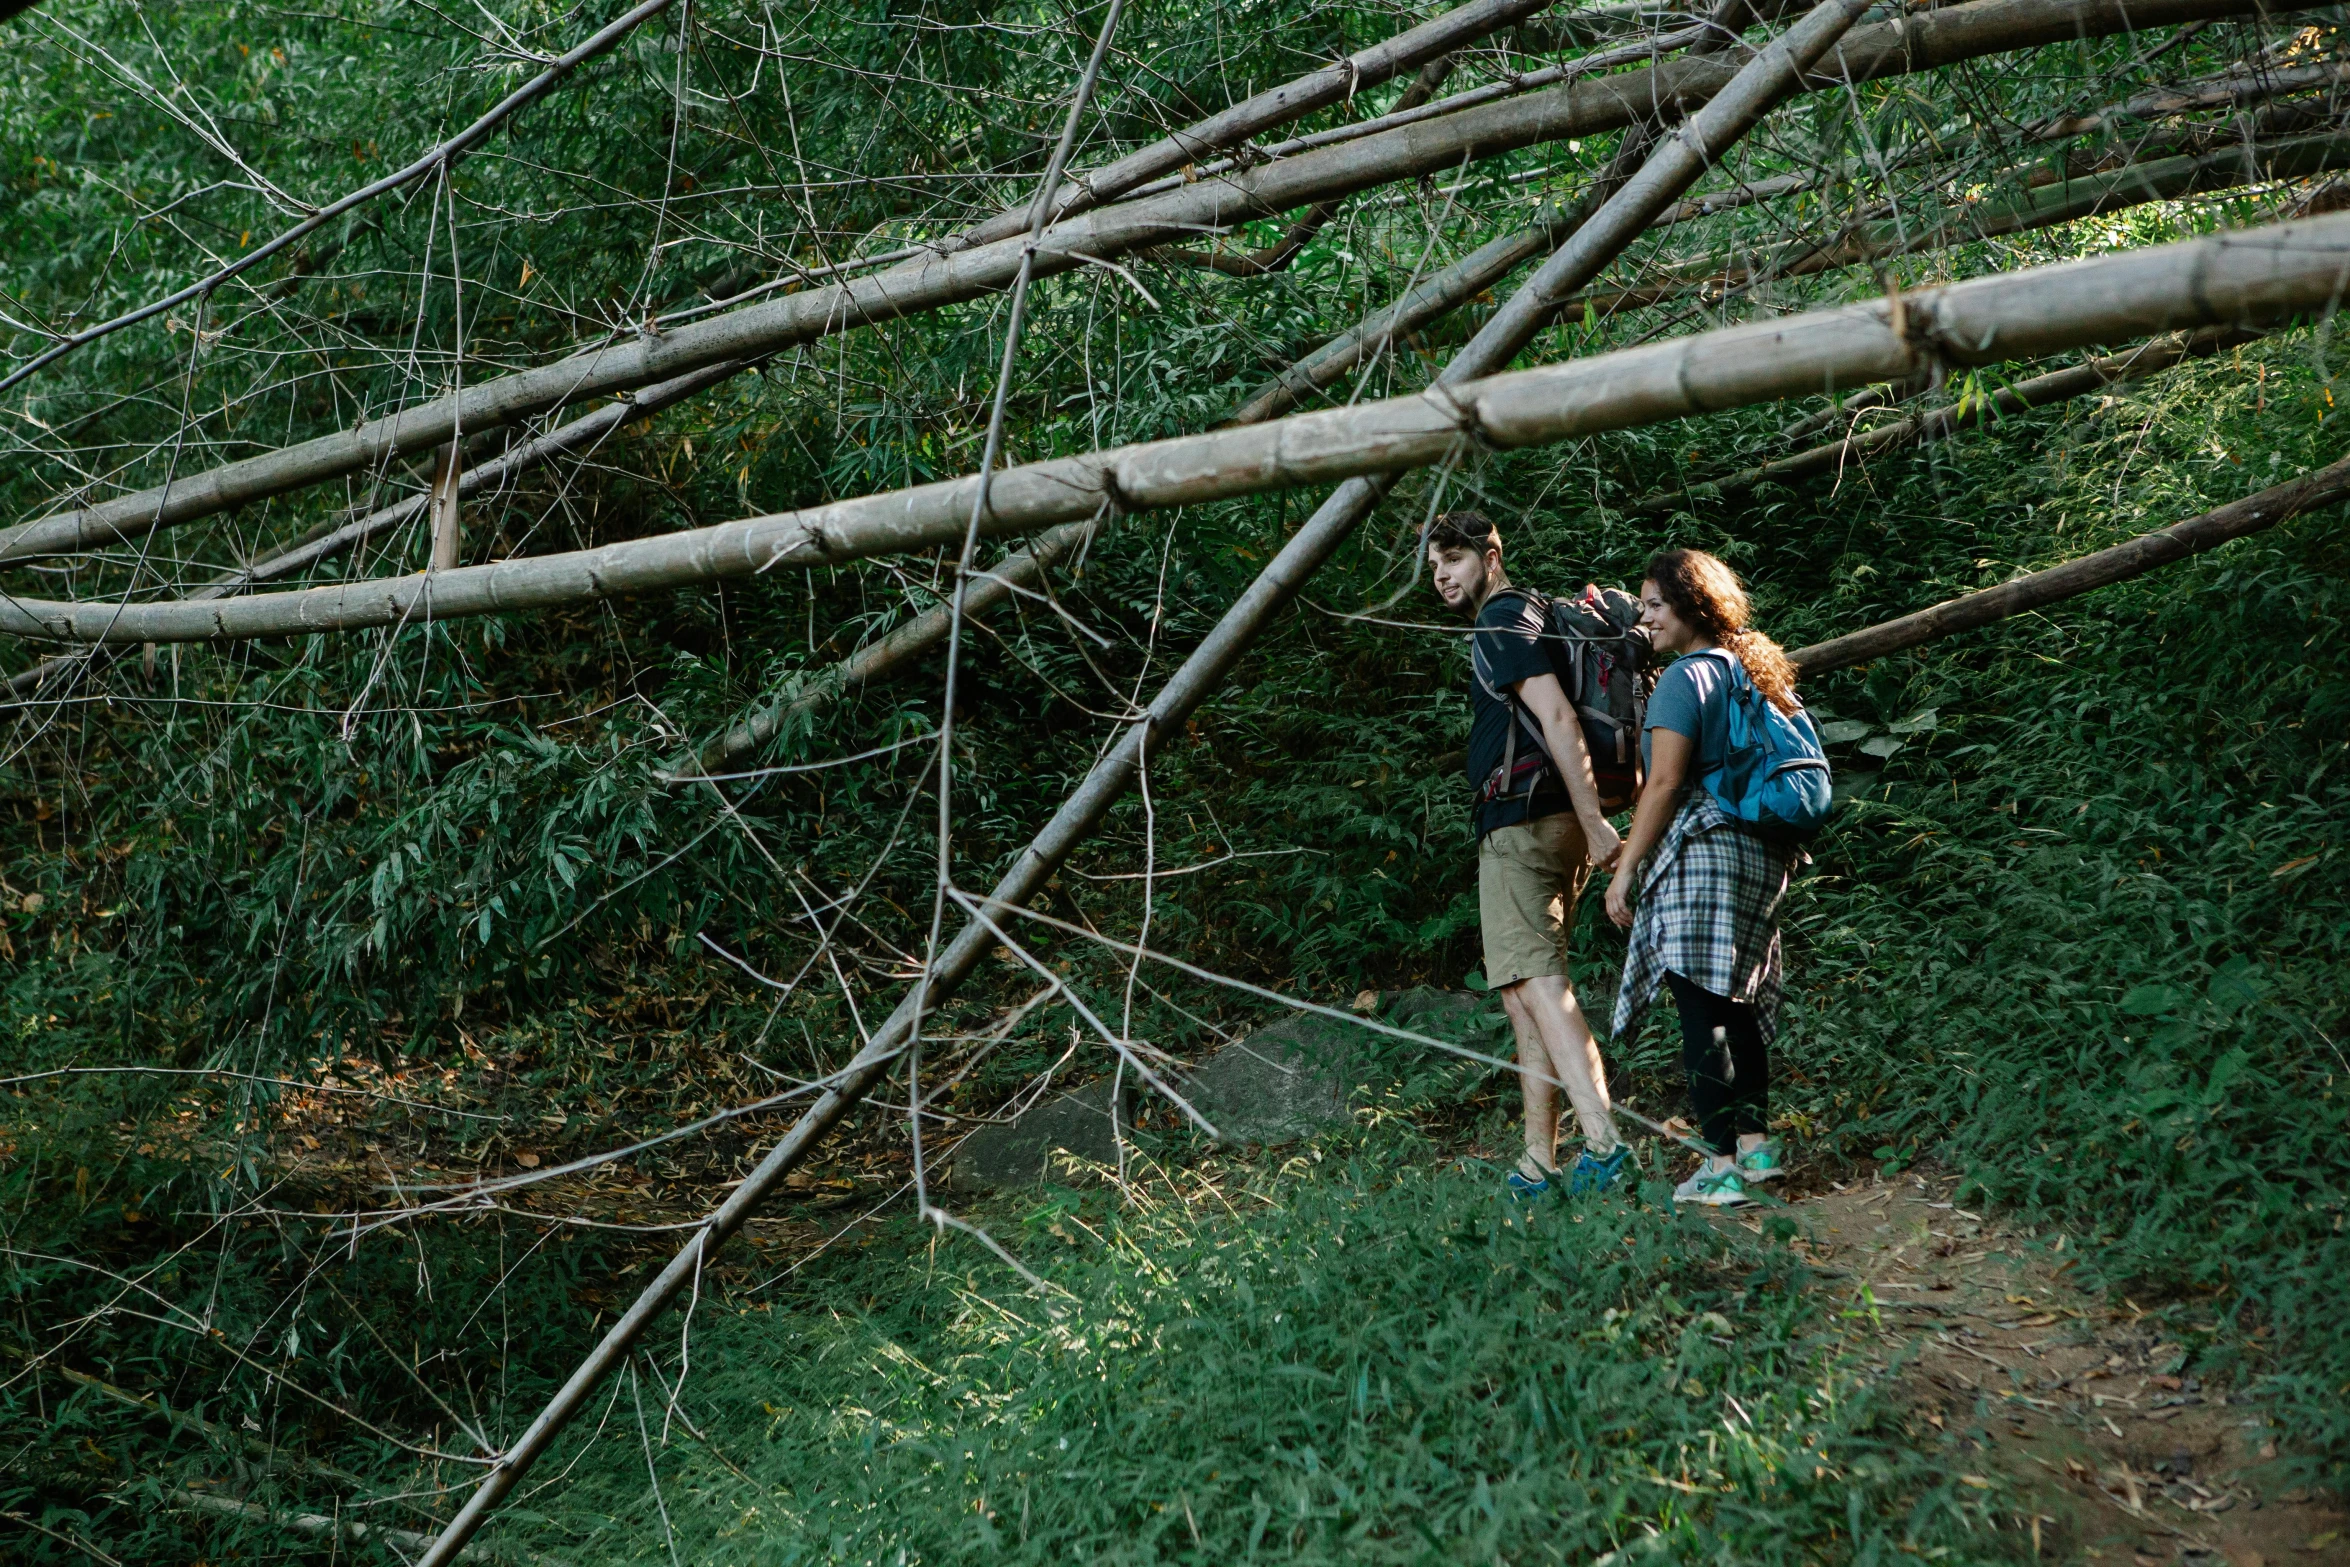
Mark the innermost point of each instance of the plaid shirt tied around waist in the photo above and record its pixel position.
(1709, 912)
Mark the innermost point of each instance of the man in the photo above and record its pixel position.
(1541, 831)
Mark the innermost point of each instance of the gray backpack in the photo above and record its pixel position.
(1600, 653)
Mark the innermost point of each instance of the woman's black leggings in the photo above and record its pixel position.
(1729, 1082)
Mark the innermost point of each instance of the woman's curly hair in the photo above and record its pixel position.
(1706, 593)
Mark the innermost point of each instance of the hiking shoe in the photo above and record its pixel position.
(1592, 1176)
(1714, 1189)
(1524, 1188)
(1765, 1163)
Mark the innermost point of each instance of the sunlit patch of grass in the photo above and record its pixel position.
(1363, 1356)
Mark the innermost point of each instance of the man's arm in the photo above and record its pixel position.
(1562, 737)
(1668, 764)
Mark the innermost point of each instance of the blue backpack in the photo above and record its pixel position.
(1774, 782)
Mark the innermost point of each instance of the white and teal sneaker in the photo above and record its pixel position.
(1714, 1188)
(1764, 1163)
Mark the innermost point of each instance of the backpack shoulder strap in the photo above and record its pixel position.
(1477, 665)
(1737, 666)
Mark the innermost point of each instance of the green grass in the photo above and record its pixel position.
(2094, 951)
(1352, 1356)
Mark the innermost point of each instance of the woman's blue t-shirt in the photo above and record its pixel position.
(1692, 698)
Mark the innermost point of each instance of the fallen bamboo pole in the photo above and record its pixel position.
(2234, 89)
(1703, 35)
(1434, 297)
(2254, 277)
(2063, 200)
(925, 631)
(2252, 514)
(1277, 106)
(1675, 164)
(1924, 42)
(2039, 391)
(581, 434)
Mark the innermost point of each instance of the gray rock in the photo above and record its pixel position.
(1017, 1153)
(1286, 1080)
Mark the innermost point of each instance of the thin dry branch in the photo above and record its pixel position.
(1927, 42)
(435, 159)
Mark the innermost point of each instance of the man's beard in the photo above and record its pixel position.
(1478, 592)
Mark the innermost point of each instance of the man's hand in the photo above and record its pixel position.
(1619, 898)
(1601, 842)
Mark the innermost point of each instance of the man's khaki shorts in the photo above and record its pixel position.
(1528, 879)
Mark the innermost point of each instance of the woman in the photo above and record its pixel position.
(1708, 921)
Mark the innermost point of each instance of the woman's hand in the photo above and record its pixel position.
(1668, 763)
(1619, 895)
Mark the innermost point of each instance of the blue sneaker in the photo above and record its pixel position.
(1524, 1188)
(1592, 1176)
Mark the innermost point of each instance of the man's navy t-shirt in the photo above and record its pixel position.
(1508, 643)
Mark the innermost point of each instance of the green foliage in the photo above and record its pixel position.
(2080, 932)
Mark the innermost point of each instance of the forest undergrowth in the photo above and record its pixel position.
(2079, 934)
(297, 938)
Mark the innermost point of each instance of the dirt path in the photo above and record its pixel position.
(2073, 1408)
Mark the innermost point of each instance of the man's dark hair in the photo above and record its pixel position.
(1461, 530)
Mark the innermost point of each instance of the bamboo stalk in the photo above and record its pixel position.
(1919, 43)
(1762, 84)
(1469, 277)
(2107, 191)
(2065, 199)
(2135, 558)
(1333, 83)
(332, 540)
(440, 504)
(1454, 286)
(2252, 277)
(2039, 391)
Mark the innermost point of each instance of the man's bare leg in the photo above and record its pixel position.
(1551, 1013)
(1535, 1074)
